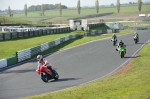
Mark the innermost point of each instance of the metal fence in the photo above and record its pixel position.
(15, 35)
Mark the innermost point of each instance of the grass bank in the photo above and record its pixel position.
(131, 82)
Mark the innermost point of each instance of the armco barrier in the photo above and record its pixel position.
(8, 61)
(3, 63)
(109, 31)
(62, 39)
(57, 42)
(66, 38)
(44, 46)
(94, 25)
(23, 55)
(11, 60)
(16, 35)
(35, 50)
(1, 36)
(98, 32)
(94, 33)
(51, 44)
(28, 53)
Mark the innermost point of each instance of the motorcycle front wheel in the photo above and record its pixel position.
(44, 77)
(122, 54)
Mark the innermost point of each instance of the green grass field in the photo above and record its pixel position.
(72, 13)
(10, 47)
(131, 82)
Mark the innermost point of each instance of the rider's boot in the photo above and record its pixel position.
(51, 70)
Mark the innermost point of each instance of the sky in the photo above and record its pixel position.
(19, 4)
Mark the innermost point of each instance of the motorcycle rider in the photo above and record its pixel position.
(136, 34)
(121, 43)
(114, 37)
(43, 61)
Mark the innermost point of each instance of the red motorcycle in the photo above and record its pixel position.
(46, 74)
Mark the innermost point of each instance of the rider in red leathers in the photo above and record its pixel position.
(42, 61)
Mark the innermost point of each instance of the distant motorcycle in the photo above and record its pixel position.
(114, 41)
(121, 51)
(136, 40)
(47, 74)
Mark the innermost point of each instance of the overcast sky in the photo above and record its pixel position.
(19, 4)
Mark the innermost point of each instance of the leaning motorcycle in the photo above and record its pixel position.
(135, 39)
(114, 41)
(46, 74)
(121, 51)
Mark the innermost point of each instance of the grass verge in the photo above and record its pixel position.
(10, 47)
(130, 84)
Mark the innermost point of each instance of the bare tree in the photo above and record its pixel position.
(9, 11)
(118, 5)
(78, 6)
(25, 9)
(97, 5)
(42, 9)
(139, 5)
(60, 9)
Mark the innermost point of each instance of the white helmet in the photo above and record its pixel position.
(113, 33)
(39, 57)
(120, 40)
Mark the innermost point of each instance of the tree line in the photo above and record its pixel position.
(46, 7)
(58, 6)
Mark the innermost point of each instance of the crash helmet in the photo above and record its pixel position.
(120, 40)
(39, 57)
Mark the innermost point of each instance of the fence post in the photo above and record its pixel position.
(10, 35)
(3, 36)
(18, 35)
(42, 31)
(28, 33)
(33, 33)
(23, 34)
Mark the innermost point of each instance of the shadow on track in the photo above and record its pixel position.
(64, 79)
(132, 56)
(18, 71)
(141, 43)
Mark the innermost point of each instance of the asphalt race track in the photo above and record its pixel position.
(75, 66)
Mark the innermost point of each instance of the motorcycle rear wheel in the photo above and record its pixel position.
(56, 75)
(114, 43)
(135, 40)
